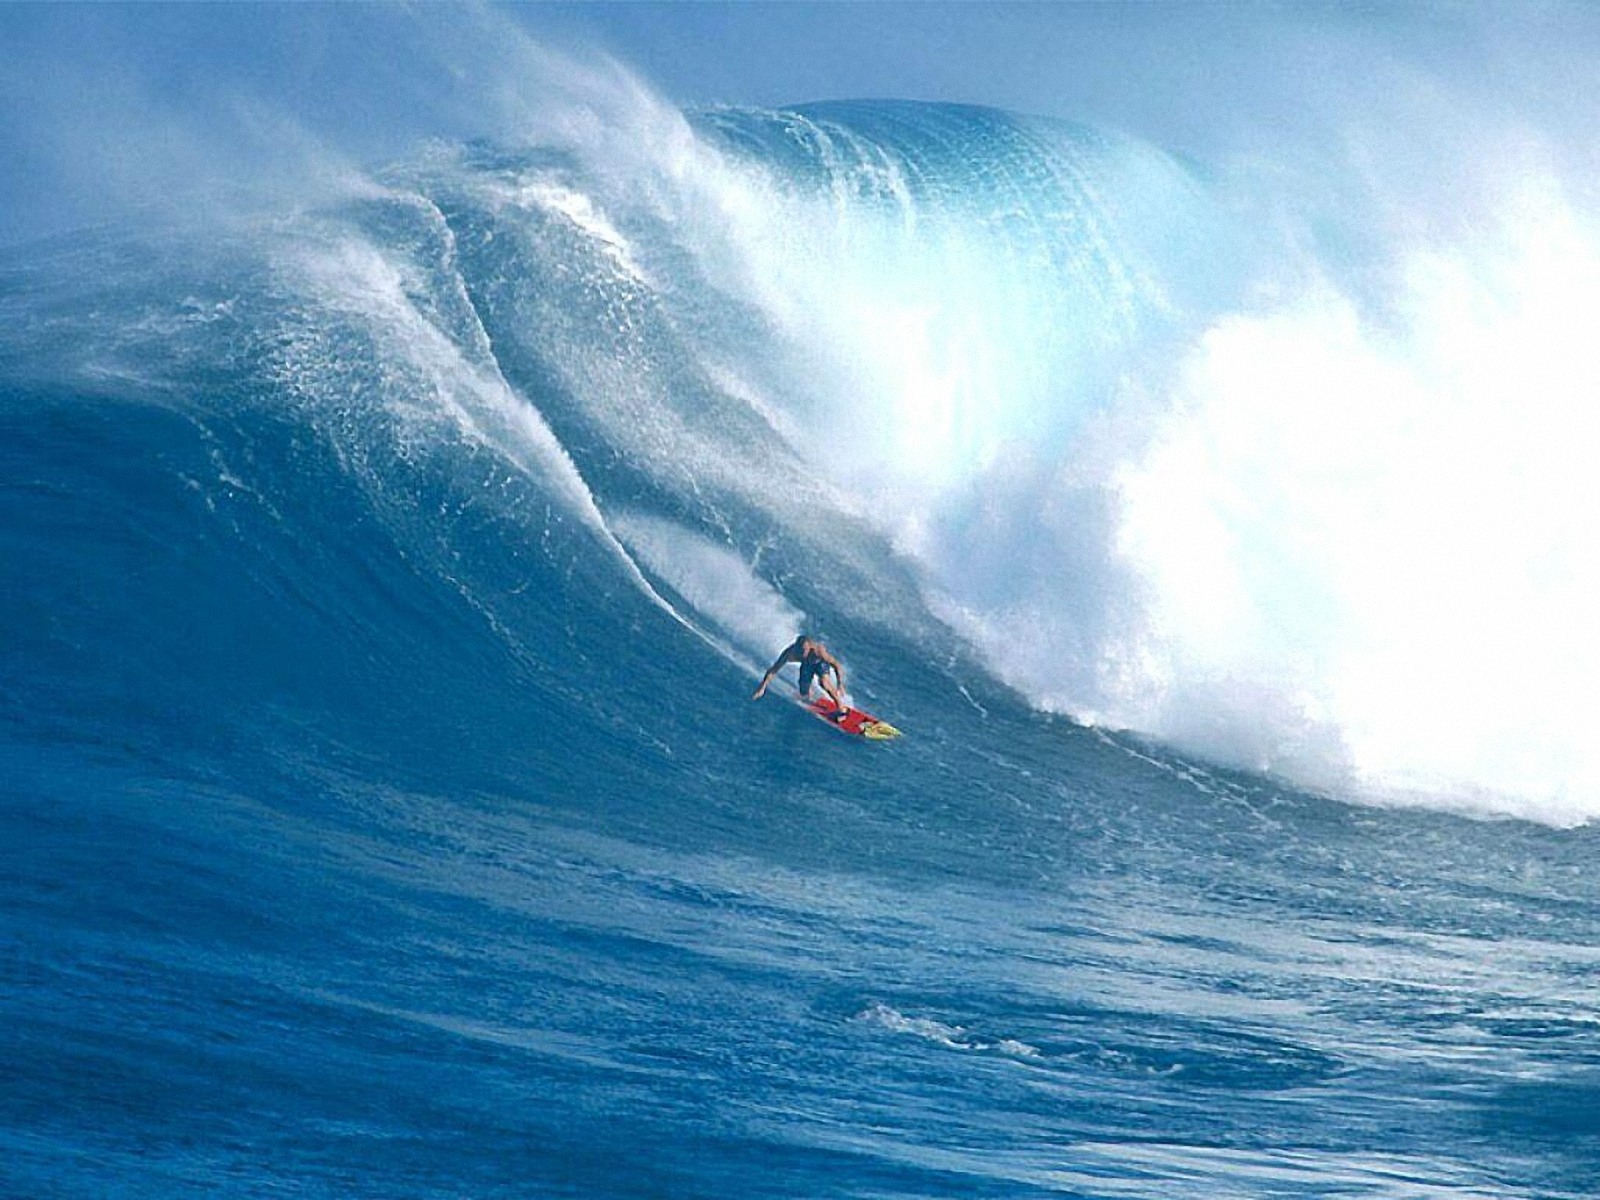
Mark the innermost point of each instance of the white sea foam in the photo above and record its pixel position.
(1346, 537)
(1393, 531)
(953, 1037)
(583, 214)
(722, 586)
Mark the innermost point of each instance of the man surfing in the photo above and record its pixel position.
(815, 665)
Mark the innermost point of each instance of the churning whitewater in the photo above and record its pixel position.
(384, 584)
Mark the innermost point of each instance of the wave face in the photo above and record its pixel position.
(386, 816)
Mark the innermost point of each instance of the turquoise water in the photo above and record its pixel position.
(384, 814)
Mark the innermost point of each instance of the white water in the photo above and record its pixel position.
(1354, 540)
(1392, 531)
(722, 588)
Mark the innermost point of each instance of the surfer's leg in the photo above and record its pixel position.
(831, 686)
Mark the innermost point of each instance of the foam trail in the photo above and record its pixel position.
(359, 280)
(714, 579)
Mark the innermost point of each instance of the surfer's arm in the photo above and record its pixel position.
(771, 671)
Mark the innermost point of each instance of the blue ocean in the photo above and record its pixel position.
(384, 582)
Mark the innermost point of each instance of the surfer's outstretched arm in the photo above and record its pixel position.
(788, 655)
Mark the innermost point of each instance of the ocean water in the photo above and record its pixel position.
(384, 813)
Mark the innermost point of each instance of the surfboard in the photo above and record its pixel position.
(851, 720)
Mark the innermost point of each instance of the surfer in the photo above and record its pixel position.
(815, 664)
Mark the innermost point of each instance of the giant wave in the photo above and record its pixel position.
(1038, 360)
(977, 378)
(386, 580)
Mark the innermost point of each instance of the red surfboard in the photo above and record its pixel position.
(850, 720)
